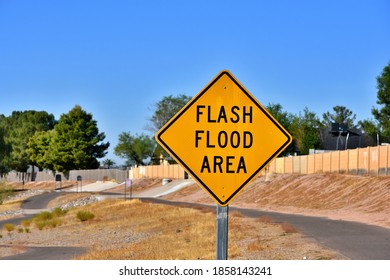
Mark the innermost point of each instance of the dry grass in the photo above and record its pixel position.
(257, 245)
(265, 219)
(139, 185)
(136, 230)
(10, 205)
(167, 232)
(41, 185)
(289, 228)
(18, 248)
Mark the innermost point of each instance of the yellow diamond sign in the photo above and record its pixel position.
(223, 137)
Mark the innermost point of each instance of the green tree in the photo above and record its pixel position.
(108, 163)
(18, 129)
(76, 142)
(370, 131)
(285, 119)
(137, 149)
(305, 130)
(4, 149)
(382, 114)
(165, 109)
(340, 115)
(39, 151)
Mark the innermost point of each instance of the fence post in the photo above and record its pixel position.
(387, 160)
(314, 163)
(357, 163)
(379, 161)
(368, 160)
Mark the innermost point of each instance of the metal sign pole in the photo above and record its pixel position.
(125, 189)
(58, 179)
(222, 232)
(128, 184)
(131, 189)
(79, 183)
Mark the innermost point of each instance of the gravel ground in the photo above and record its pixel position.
(16, 197)
(11, 244)
(79, 202)
(24, 195)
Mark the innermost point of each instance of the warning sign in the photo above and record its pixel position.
(223, 137)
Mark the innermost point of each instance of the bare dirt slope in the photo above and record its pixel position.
(355, 198)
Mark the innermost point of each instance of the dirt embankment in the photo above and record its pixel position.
(355, 198)
(337, 196)
(364, 199)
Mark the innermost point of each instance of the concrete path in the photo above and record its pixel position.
(95, 187)
(38, 203)
(48, 253)
(165, 189)
(34, 205)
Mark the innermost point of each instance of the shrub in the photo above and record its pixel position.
(5, 192)
(288, 228)
(49, 219)
(43, 216)
(25, 223)
(40, 224)
(58, 212)
(257, 245)
(53, 223)
(85, 216)
(9, 227)
(264, 219)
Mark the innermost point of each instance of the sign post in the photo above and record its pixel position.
(58, 179)
(128, 184)
(223, 137)
(79, 183)
(222, 232)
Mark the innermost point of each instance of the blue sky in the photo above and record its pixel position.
(117, 58)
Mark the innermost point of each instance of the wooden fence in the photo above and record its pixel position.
(362, 161)
(173, 171)
(91, 175)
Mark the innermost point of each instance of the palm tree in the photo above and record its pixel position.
(108, 163)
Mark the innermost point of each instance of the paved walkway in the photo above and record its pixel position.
(99, 186)
(165, 189)
(34, 205)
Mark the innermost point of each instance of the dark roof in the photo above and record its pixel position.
(337, 129)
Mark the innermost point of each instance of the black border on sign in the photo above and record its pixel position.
(189, 104)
